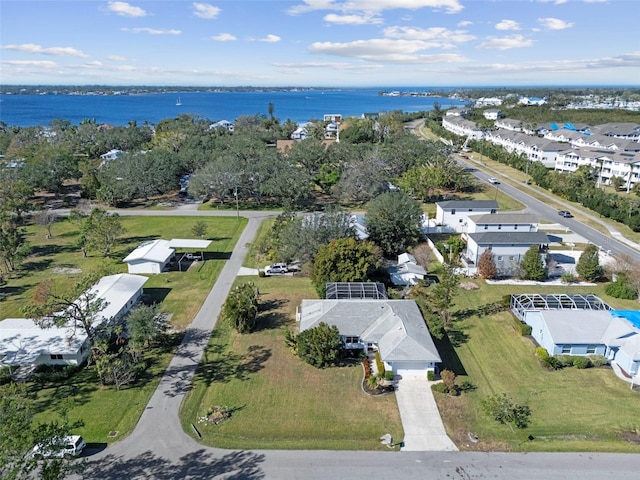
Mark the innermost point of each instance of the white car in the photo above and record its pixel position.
(276, 268)
(494, 180)
(70, 446)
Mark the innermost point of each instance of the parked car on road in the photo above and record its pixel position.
(494, 180)
(276, 268)
(70, 446)
(565, 213)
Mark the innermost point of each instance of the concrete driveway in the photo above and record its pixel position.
(423, 428)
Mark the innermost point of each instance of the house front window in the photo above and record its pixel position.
(351, 339)
(56, 356)
(591, 349)
(566, 349)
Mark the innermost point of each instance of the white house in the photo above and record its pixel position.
(455, 213)
(488, 102)
(222, 125)
(154, 256)
(508, 248)
(407, 271)
(492, 114)
(502, 222)
(532, 101)
(395, 328)
(111, 154)
(23, 343)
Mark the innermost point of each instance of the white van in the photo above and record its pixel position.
(70, 446)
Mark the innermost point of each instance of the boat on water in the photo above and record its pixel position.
(178, 102)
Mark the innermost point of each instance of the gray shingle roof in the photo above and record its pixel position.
(509, 238)
(468, 204)
(504, 219)
(396, 326)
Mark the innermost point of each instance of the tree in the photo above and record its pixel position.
(302, 236)
(504, 411)
(98, 231)
(13, 246)
(442, 293)
(145, 324)
(588, 266)
(199, 228)
(78, 308)
(19, 433)
(423, 255)
(46, 218)
(344, 260)
(532, 265)
(120, 368)
(617, 182)
(487, 265)
(240, 309)
(319, 346)
(393, 221)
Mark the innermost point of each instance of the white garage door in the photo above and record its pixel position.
(410, 369)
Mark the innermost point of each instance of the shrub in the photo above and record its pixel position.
(563, 361)
(372, 381)
(522, 328)
(440, 388)
(598, 360)
(581, 362)
(550, 362)
(542, 353)
(431, 375)
(53, 373)
(449, 379)
(388, 375)
(505, 301)
(367, 368)
(5, 375)
(467, 386)
(261, 273)
(568, 278)
(621, 288)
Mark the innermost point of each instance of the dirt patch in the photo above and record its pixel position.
(66, 270)
(469, 286)
(631, 437)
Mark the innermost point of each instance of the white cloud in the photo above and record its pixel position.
(34, 48)
(554, 23)
(331, 65)
(375, 6)
(125, 9)
(31, 63)
(116, 58)
(555, 2)
(270, 39)
(506, 43)
(446, 37)
(205, 10)
(352, 19)
(464, 23)
(385, 51)
(224, 37)
(507, 25)
(151, 31)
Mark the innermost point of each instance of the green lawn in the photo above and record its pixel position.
(573, 410)
(104, 409)
(278, 401)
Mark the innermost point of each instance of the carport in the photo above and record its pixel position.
(189, 243)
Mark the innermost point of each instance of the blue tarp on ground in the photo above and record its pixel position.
(632, 315)
(554, 126)
(569, 126)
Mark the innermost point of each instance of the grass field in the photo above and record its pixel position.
(103, 409)
(278, 401)
(573, 410)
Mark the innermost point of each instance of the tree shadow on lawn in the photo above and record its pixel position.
(7, 292)
(54, 249)
(271, 318)
(73, 391)
(155, 295)
(36, 265)
(226, 366)
(481, 311)
(202, 463)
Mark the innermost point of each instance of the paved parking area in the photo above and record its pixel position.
(423, 428)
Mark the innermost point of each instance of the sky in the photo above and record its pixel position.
(324, 43)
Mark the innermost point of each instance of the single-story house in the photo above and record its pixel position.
(508, 249)
(407, 271)
(24, 343)
(395, 328)
(111, 154)
(155, 255)
(455, 213)
(492, 114)
(588, 332)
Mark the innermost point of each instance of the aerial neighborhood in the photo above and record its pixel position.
(461, 279)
